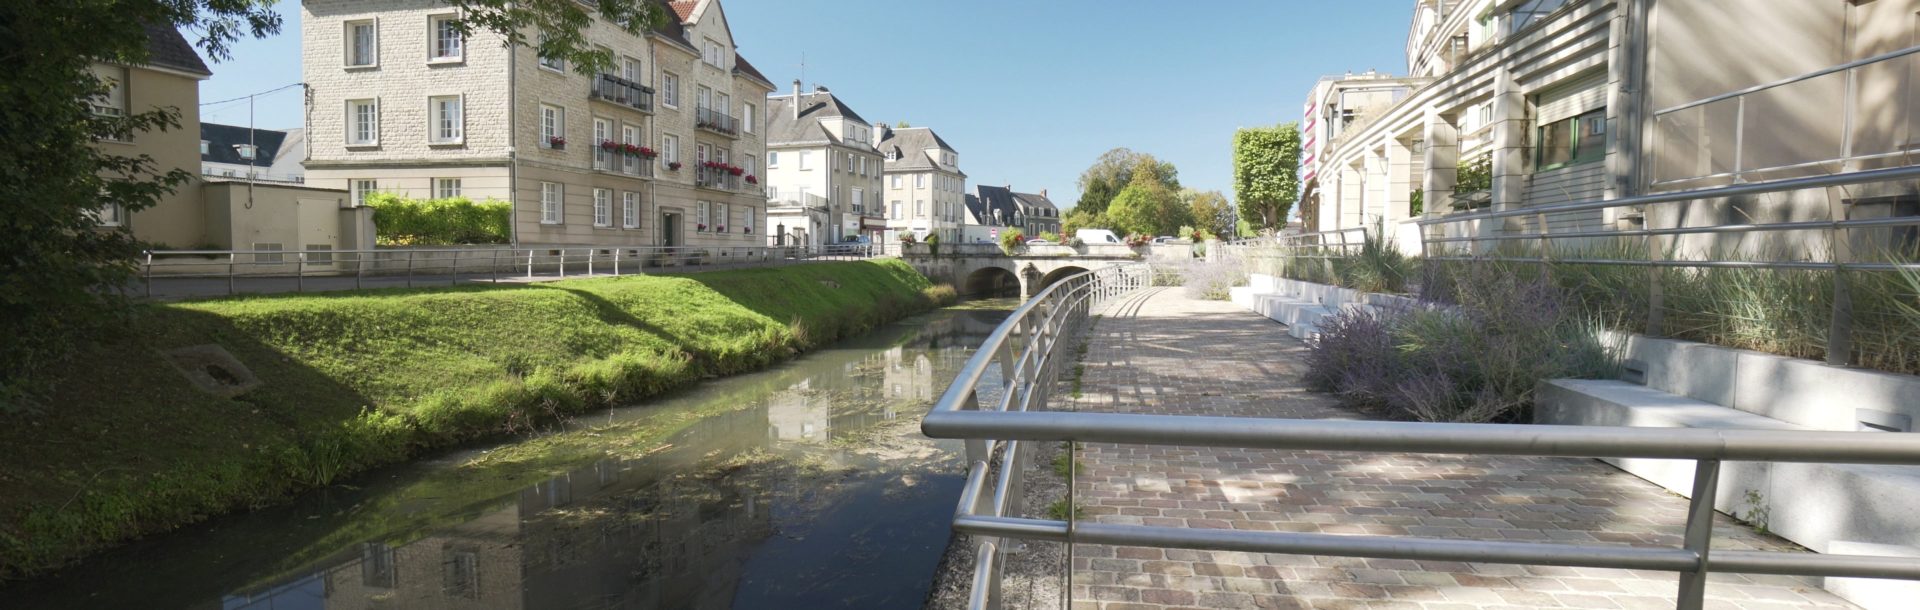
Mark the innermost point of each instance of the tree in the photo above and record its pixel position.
(65, 274)
(1264, 181)
(903, 125)
(1211, 210)
(1113, 171)
(1078, 219)
(1147, 206)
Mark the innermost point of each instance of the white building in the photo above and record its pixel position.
(268, 155)
(925, 189)
(823, 173)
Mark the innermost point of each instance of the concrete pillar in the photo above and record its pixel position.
(1399, 181)
(1351, 198)
(1442, 161)
(1510, 126)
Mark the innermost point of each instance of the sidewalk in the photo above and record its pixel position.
(1161, 352)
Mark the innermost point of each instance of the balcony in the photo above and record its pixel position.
(716, 122)
(613, 89)
(717, 178)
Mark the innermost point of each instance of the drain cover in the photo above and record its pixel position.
(214, 371)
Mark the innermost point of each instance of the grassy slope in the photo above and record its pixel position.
(354, 381)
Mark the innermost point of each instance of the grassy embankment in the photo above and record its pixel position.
(355, 381)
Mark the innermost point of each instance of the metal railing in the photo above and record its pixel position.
(1838, 229)
(1027, 349)
(716, 121)
(715, 178)
(1051, 320)
(608, 87)
(190, 273)
(1732, 159)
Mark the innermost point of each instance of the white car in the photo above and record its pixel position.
(1097, 236)
(1038, 242)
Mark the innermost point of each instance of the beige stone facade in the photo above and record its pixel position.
(512, 106)
(925, 190)
(176, 219)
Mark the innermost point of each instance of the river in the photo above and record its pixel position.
(807, 485)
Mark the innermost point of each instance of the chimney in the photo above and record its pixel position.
(1043, 194)
(796, 99)
(880, 132)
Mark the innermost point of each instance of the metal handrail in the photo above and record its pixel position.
(457, 264)
(1054, 317)
(1693, 560)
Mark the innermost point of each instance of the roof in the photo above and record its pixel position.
(675, 30)
(221, 140)
(683, 8)
(978, 211)
(743, 67)
(166, 48)
(999, 200)
(1036, 201)
(909, 146)
(814, 107)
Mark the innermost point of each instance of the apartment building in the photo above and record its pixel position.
(1527, 103)
(1000, 206)
(662, 150)
(268, 155)
(823, 172)
(925, 189)
(1339, 104)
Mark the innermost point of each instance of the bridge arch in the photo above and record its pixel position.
(991, 281)
(1056, 275)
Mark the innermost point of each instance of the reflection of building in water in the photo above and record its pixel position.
(796, 416)
(643, 542)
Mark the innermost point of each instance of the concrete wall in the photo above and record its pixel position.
(239, 216)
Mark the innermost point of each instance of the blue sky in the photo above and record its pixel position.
(1029, 91)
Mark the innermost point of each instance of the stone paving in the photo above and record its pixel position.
(1161, 352)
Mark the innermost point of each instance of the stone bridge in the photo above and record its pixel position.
(984, 270)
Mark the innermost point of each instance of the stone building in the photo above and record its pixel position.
(1525, 103)
(823, 173)
(1000, 206)
(925, 189)
(661, 150)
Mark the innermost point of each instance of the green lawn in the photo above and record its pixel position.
(357, 380)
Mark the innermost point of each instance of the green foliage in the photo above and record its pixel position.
(903, 125)
(1012, 241)
(1417, 202)
(1078, 219)
(1210, 210)
(64, 272)
(933, 244)
(1050, 236)
(1114, 171)
(1264, 177)
(399, 221)
(1472, 179)
(1147, 206)
(353, 381)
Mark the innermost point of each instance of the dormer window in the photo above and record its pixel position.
(246, 151)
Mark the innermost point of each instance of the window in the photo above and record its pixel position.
(714, 55)
(806, 160)
(630, 134)
(363, 122)
(746, 117)
(602, 132)
(896, 210)
(376, 565)
(863, 166)
(448, 120)
(364, 188)
(550, 62)
(859, 198)
(720, 217)
(893, 155)
(920, 208)
(773, 159)
(919, 181)
(670, 89)
(267, 252)
(602, 208)
(363, 45)
(630, 210)
(703, 214)
(204, 146)
(849, 165)
(552, 195)
(1580, 139)
(750, 164)
(447, 43)
(446, 188)
(670, 148)
(319, 254)
(746, 219)
(553, 126)
(723, 103)
(896, 182)
(631, 69)
(773, 192)
(111, 215)
(702, 97)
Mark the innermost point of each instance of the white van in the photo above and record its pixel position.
(1097, 236)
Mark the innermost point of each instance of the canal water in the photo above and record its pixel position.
(803, 486)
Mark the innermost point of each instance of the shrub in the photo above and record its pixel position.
(1050, 236)
(1210, 280)
(399, 221)
(1012, 241)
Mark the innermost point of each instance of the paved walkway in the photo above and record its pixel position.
(1165, 353)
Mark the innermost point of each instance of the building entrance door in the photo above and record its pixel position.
(669, 229)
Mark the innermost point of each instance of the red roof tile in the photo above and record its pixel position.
(683, 8)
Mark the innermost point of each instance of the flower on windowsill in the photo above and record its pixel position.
(720, 229)
(648, 152)
(700, 227)
(610, 145)
(674, 166)
(752, 180)
(556, 142)
(747, 230)
(735, 170)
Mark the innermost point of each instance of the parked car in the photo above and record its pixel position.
(1097, 236)
(1038, 242)
(1166, 239)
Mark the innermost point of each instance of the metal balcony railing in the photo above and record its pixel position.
(1032, 346)
(715, 178)
(624, 92)
(716, 121)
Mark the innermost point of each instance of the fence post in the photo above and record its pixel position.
(493, 266)
(1840, 324)
(529, 264)
(149, 274)
(590, 254)
(1699, 535)
(230, 264)
(300, 272)
(456, 269)
(359, 267)
(563, 263)
(409, 268)
(616, 261)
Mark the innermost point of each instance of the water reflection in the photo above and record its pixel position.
(807, 486)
